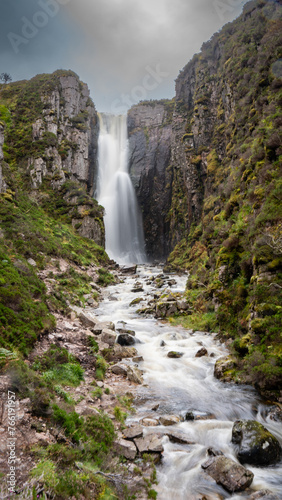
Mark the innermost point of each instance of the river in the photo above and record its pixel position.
(182, 385)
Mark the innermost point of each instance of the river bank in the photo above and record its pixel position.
(164, 380)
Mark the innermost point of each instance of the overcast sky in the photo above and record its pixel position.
(125, 50)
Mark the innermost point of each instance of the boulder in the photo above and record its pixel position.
(136, 431)
(257, 446)
(264, 495)
(121, 352)
(175, 355)
(232, 476)
(164, 309)
(149, 422)
(88, 320)
(126, 340)
(202, 352)
(119, 370)
(182, 305)
(128, 269)
(169, 420)
(106, 325)
(126, 448)
(109, 337)
(222, 367)
(178, 437)
(134, 375)
(149, 444)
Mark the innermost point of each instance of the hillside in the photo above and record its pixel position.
(224, 191)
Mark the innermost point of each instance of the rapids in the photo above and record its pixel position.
(182, 385)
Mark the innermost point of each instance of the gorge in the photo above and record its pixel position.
(205, 170)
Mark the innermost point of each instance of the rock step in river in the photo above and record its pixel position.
(181, 403)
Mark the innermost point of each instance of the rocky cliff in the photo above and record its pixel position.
(224, 207)
(150, 129)
(51, 132)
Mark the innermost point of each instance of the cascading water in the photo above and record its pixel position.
(115, 192)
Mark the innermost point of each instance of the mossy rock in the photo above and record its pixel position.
(257, 446)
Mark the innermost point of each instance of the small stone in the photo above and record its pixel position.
(178, 437)
(189, 416)
(150, 422)
(175, 355)
(169, 420)
(124, 331)
(264, 495)
(156, 407)
(162, 343)
(32, 262)
(138, 359)
(202, 352)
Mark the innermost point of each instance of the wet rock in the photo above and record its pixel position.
(126, 448)
(113, 298)
(88, 320)
(126, 340)
(136, 431)
(189, 415)
(223, 367)
(150, 422)
(202, 352)
(179, 437)
(257, 446)
(121, 352)
(136, 301)
(274, 413)
(232, 476)
(109, 337)
(169, 420)
(138, 359)
(214, 453)
(123, 331)
(149, 444)
(119, 370)
(138, 287)
(264, 495)
(128, 269)
(156, 407)
(134, 375)
(175, 355)
(162, 343)
(164, 309)
(106, 325)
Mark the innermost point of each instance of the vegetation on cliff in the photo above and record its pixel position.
(229, 97)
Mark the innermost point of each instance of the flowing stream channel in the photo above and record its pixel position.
(183, 385)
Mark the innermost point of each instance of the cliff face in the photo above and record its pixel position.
(224, 213)
(51, 132)
(149, 126)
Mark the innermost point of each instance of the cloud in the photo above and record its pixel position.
(112, 43)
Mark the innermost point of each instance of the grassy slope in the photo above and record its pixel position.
(234, 252)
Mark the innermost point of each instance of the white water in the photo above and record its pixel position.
(115, 192)
(181, 385)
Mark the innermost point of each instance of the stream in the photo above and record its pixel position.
(182, 385)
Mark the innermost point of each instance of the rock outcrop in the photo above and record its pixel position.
(150, 128)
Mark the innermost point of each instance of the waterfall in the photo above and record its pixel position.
(115, 192)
